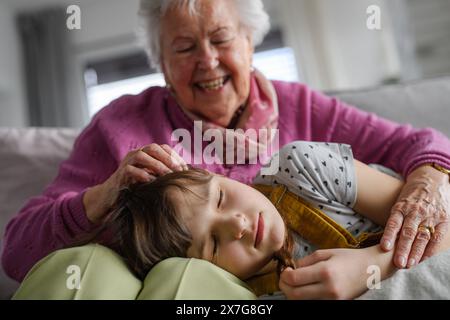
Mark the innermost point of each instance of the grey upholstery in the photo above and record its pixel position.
(423, 103)
(29, 160)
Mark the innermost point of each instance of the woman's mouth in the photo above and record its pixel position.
(213, 85)
(260, 230)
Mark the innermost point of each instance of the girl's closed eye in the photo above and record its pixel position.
(215, 249)
(215, 242)
(220, 198)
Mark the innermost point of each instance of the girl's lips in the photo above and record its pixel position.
(259, 231)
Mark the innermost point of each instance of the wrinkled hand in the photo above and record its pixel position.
(422, 214)
(327, 274)
(142, 165)
(145, 164)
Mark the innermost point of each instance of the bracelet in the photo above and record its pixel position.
(439, 168)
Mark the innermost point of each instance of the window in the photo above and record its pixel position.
(277, 64)
(101, 95)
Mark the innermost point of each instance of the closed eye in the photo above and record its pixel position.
(214, 254)
(220, 198)
(184, 50)
(221, 41)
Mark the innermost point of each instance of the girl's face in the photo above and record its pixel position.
(234, 226)
(206, 58)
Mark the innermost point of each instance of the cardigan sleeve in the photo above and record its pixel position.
(52, 220)
(377, 140)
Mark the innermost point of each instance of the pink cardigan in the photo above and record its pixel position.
(50, 221)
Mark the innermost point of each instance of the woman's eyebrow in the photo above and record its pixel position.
(189, 38)
(181, 38)
(218, 29)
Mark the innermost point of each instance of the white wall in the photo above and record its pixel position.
(357, 56)
(431, 28)
(107, 28)
(107, 25)
(334, 48)
(12, 90)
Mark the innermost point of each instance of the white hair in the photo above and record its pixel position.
(251, 15)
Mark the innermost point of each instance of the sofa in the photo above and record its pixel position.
(29, 157)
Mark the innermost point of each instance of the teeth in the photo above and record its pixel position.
(212, 85)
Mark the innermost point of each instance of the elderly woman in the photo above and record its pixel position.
(204, 48)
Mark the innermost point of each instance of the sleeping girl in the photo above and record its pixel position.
(310, 231)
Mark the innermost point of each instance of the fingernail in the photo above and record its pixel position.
(402, 261)
(412, 262)
(387, 244)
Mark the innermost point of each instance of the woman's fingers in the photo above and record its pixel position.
(157, 167)
(407, 237)
(424, 207)
(156, 152)
(164, 156)
(175, 157)
(150, 174)
(134, 174)
(145, 164)
(436, 239)
(422, 238)
(393, 226)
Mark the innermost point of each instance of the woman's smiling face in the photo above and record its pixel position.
(232, 225)
(206, 58)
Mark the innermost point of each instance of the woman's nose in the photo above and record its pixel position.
(208, 58)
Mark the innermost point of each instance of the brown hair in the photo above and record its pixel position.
(284, 255)
(144, 221)
(147, 229)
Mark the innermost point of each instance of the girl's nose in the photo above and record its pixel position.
(237, 226)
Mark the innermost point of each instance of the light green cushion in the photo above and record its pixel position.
(192, 279)
(104, 276)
